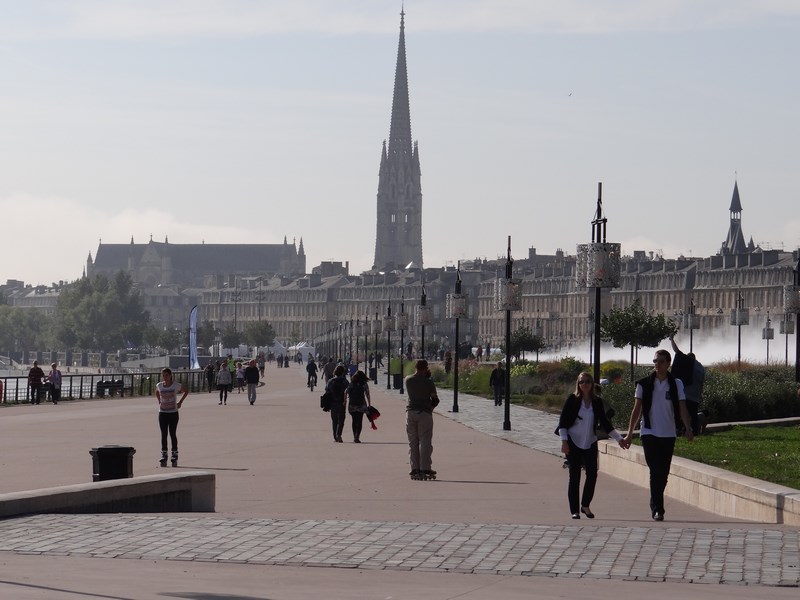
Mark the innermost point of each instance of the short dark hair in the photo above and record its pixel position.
(339, 370)
(421, 364)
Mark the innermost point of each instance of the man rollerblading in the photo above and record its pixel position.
(174, 458)
(163, 461)
(422, 399)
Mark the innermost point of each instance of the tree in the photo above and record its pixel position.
(259, 333)
(524, 340)
(205, 334)
(229, 337)
(101, 313)
(24, 328)
(634, 326)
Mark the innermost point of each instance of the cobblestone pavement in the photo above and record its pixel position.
(759, 557)
(766, 557)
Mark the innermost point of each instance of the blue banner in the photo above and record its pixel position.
(193, 362)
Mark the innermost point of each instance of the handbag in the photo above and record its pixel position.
(325, 401)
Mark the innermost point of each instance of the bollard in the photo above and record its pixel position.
(112, 462)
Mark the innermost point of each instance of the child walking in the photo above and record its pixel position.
(167, 391)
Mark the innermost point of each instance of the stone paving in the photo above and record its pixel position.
(728, 556)
(766, 557)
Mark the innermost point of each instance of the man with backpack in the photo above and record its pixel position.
(659, 400)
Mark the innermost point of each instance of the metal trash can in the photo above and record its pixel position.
(373, 373)
(112, 462)
(397, 381)
(100, 390)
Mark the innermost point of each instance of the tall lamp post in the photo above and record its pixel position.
(357, 334)
(508, 297)
(376, 330)
(739, 316)
(455, 308)
(424, 316)
(768, 333)
(598, 267)
(365, 331)
(786, 328)
(791, 304)
(691, 322)
(388, 326)
(402, 325)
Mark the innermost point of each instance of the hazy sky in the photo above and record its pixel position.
(230, 121)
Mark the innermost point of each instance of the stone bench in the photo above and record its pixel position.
(709, 488)
(184, 491)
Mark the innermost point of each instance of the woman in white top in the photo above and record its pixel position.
(582, 413)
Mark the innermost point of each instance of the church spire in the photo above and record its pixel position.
(400, 129)
(398, 240)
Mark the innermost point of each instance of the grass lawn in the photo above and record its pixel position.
(766, 453)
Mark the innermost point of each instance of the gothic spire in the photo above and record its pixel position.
(736, 204)
(400, 129)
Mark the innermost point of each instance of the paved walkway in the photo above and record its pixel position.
(289, 497)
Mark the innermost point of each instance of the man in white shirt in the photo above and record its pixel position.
(659, 398)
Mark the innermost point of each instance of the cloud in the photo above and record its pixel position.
(56, 235)
(99, 19)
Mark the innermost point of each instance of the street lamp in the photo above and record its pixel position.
(598, 266)
(455, 308)
(791, 304)
(402, 325)
(424, 316)
(376, 330)
(508, 297)
(691, 322)
(365, 331)
(787, 327)
(740, 316)
(388, 326)
(768, 333)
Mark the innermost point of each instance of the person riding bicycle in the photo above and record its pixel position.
(311, 369)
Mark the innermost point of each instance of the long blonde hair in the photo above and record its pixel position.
(584, 375)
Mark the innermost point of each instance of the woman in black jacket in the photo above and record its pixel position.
(582, 414)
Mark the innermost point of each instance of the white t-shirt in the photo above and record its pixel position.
(662, 413)
(168, 396)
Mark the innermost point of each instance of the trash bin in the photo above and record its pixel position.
(373, 373)
(100, 389)
(112, 462)
(397, 381)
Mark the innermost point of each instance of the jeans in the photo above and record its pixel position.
(419, 428)
(337, 419)
(576, 458)
(658, 456)
(251, 392)
(499, 394)
(223, 392)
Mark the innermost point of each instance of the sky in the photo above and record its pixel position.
(244, 121)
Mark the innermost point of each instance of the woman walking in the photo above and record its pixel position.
(582, 414)
(358, 402)
(223, 383)
(338, 387)
(167, 392)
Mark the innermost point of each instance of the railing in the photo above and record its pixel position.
(98, 385)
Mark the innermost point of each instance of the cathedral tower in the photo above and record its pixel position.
(398, 241)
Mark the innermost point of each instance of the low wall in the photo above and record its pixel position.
(186, 491)
(709, 488)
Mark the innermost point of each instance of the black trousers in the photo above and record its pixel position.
(576, 458)
(658, 456)
(337, 419)
(168, 422)
(358, 423)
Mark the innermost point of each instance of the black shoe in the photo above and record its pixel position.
(589, 514)
(657, 516)
(576, 515)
